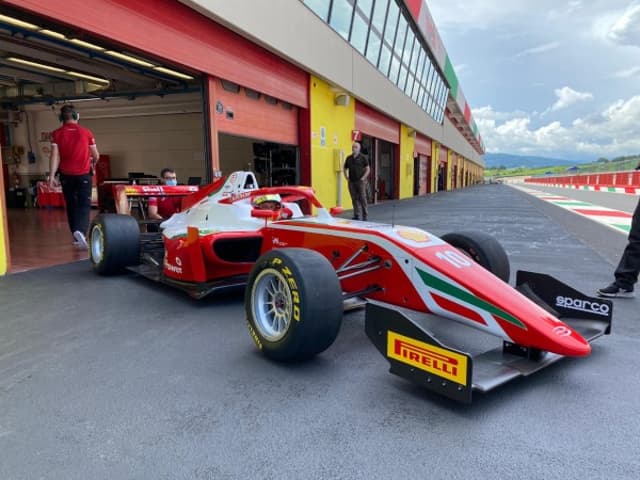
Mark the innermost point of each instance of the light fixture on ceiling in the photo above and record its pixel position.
(35, 64)
(18, 23)
(50, 68)
(173, 73)
(51, 33)
(81, 43)
(88, 45)
(84, 76)
(129, 58)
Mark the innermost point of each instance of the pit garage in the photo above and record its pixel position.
(145, 113)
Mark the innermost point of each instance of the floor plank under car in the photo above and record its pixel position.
(40, 237)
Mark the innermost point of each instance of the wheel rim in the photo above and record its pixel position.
(97, 244)
(272, 304)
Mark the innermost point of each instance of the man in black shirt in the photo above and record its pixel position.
(626, 274)
(356, 171)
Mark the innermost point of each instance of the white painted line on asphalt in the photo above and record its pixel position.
(615, 219)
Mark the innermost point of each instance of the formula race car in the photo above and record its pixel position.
(301, 264)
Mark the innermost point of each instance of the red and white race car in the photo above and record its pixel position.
(301, 265)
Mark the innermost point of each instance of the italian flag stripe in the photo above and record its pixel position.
(441, 285)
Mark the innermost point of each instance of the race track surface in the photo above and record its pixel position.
(119, 378)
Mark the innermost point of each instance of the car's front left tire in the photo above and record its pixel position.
(114, 243)
(293, 302)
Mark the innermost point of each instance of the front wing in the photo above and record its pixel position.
(415, 353)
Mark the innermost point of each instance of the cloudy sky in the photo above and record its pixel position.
(548, 77)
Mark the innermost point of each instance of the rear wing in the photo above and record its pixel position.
(123, 193)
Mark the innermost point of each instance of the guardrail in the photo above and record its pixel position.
(620, 182)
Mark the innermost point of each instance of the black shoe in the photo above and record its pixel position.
(614, 291)
(364, 219)
(355, 218)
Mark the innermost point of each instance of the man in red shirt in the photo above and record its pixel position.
(161, 208)
(74, 154)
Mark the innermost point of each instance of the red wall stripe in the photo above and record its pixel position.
(414, 7)
(172, 31)
(423, 145)
(256, 118)
(371, 122)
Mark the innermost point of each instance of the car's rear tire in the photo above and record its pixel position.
(114, 243)
(483, 249)
(293, 302)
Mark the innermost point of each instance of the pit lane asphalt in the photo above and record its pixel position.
(119, 378)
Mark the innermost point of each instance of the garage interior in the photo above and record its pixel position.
(144, 114)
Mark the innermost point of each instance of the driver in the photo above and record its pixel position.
(270, 201)
(273, 202)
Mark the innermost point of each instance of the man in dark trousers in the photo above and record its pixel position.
(356, 171)
(74, 154)
(626, 273)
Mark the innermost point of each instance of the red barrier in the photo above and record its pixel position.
(626, 180)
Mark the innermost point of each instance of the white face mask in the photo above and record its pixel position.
(171, 182)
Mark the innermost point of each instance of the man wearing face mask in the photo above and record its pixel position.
(161, 208)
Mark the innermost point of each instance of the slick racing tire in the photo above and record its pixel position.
(483, 249)
(114, 243)
(293, 302)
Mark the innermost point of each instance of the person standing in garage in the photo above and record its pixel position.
(74, 154)
(356, 171)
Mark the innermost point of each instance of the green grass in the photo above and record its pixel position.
(615, 165)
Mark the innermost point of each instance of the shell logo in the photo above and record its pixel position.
(413, 235)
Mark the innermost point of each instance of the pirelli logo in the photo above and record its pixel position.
(432, 359)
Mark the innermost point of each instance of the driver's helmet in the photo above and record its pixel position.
(270, 201)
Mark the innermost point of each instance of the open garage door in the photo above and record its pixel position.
(144, 113)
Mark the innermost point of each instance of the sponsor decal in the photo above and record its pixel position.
(254, 335)
(278, 243)
(562, 331)
(438, 361)
(177, 268)
(278, 263)
(239, 196)
(413, 235)
(589, 306)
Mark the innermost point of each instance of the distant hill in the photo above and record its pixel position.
(494, 160)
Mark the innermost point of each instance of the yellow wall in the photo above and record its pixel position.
(434, 165)
(4, 244)
(449, 168)
(338, 123)
(406, 173)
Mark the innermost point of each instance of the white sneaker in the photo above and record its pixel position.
(82, 242)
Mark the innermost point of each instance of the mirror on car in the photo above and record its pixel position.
(266, 214)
